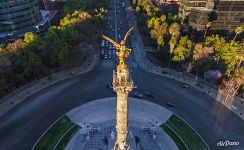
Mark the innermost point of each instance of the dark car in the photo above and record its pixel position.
(164, 72)
(185, 85)
(109, 85)
(170, 104)
(138, 95)
(148, 94)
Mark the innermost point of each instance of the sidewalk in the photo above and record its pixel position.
(21, 94)
(235, 104)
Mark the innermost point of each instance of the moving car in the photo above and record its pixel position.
(148, 94)
(185, 85)
(170, 104)
(138, 95)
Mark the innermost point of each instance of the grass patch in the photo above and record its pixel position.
(190, 137)
(174, 137)
(62, 143)
(51, 137)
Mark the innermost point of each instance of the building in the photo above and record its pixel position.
(199, 16)
(169, 1)
(19, 17)
(229, 14)
(224, 15)
(186, 6)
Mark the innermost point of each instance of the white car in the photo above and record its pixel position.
(138, 95)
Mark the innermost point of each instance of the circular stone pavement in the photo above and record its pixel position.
(97, 122)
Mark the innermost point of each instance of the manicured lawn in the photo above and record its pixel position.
(51, 137)
(190, 137)
(174, 137)
(64, 141)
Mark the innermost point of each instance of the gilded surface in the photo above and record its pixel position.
(121, 50)
(122, 85)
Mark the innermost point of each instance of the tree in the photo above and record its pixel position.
(174, 30)
(138, 9)
(183, 50)
(32, 65)
(209, 24)
(234, 82)
(227, 54)
(30, 37)
(238, 31)
(172, 43)
(240, 55)
(60, 51)
(15, 46)
(159, 30)
(70, 34)
(201, 52)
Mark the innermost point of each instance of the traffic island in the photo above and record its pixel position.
(57, 135)
(183, 135)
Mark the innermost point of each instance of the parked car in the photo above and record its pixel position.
(185, 85)
(148, 94)
(138, 95)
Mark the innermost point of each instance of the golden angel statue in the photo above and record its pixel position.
(121, 50)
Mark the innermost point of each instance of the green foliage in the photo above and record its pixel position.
(29, 37)
(227, 54)
(34, 57)
(71, 6)
(239, 30)
(134, 2)
(158, 29)
(70, 34)
(174, 29)
(183, 49)
(138, 9)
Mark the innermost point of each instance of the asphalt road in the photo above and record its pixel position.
(22, 126)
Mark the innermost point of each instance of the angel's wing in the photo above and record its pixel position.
(111, 41)
(128, 49)
(127, 34)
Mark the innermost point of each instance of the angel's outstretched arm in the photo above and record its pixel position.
(111, 41)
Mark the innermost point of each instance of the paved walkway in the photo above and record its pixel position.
(100, 115)
(235, 104)
(21, 94)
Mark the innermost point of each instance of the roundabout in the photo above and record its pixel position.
(96, 121)
(213, 121)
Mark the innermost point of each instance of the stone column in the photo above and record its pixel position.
(122, 84)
